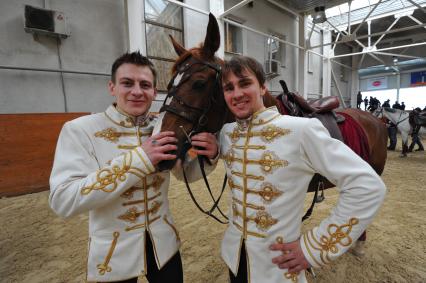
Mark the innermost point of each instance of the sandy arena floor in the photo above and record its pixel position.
(37, 246)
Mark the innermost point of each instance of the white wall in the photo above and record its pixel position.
(269, 19)
(98, 36)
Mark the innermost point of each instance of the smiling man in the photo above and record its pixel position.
(270, 160)
(105, 164)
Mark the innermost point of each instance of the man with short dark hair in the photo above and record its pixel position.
(270, 160)
(105, 164)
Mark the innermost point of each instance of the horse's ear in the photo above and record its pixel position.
(178, 48)
(212, 41)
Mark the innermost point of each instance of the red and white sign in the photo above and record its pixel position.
(377, 83)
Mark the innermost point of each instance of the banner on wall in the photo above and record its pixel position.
(377, 83)
(418, 78)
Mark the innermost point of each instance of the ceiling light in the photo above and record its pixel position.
(319, 15)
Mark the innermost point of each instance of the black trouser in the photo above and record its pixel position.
(392, 131)
(171, 272)
(242, 268)
(415, 140)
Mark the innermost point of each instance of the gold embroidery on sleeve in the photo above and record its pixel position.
(336, 235)
(104, 267)
(111, 176)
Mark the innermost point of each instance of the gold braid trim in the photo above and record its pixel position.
(305, 239)
(336, 235)
(109, 176)
(104, 267)
(149, 168)
(113, 175)
(172, 226)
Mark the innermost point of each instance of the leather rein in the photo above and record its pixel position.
(198, 118)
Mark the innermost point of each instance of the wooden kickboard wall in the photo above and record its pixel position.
(27, 148)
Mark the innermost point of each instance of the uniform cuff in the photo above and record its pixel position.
(311, 249)
(145, 160)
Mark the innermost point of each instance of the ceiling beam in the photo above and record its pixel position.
(376, 17)
(417, 5)
(383, 49)
(383, 35)
(416, 20)
(366, 17)
(371, 35)
(397, 55)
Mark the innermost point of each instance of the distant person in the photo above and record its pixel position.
(396, 105)
(365, 103)
(358, 100)
(392, 131)
(386, 103)
(402, 106)
(415, 139)
(370, 103)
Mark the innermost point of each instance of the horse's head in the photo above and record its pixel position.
(194, 101)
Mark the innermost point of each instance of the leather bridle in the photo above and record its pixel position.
(196, 116)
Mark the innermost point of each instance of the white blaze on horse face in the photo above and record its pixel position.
(157, 127)
(168, 100)
(176, 81)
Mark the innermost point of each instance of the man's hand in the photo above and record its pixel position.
(157, 146)
(205, 144)
(292, 258)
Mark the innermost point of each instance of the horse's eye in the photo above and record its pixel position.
(199, 84)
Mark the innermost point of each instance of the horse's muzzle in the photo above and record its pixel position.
(180, 152)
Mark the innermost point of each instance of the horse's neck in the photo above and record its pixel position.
(397, 116)
(269, 100)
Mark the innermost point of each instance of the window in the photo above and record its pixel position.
(276, 50)
(310, 62)
(161, 19)
(233, 39)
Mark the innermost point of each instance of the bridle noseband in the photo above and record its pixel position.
(196, 116)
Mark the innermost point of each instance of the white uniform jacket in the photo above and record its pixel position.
(100, 167)
(269, 163)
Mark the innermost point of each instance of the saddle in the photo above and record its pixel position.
(417, 118)
(322, 109)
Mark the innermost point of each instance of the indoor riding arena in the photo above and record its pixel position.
(367, 56)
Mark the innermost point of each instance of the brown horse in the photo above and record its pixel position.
(195, 100)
